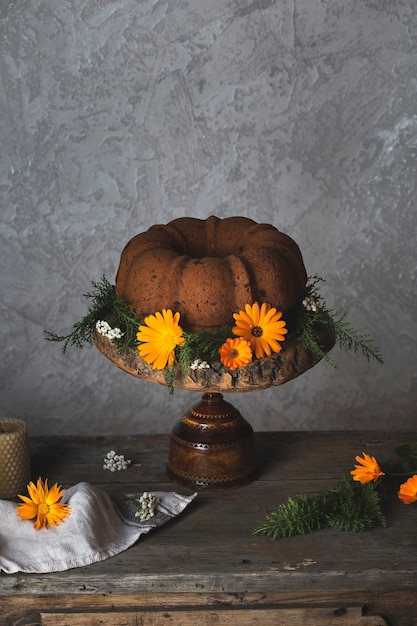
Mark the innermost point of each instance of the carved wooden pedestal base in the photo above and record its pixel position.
(212, 447)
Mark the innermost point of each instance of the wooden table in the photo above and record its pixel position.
(205, 567)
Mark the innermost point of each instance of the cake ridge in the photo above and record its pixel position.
(209, 269)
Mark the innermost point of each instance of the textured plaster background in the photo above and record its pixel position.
(119, 114)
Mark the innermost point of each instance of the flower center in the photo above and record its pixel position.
(43, 508)
(233, 354)
(257, 331)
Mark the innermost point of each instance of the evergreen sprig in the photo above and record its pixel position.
(354, 507)
(350, 507)
(104, 305)
(298, 516)
(350, 339)
(334, 324)
(202, 345)
(102, 299)
(169, 378)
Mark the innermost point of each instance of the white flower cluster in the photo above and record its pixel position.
(198, 364)
(105, 329)
(147, 504)
(310, 304)
(115, 462)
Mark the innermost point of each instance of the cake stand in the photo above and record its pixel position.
(213, 446)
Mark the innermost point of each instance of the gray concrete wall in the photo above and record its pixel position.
(117, 114)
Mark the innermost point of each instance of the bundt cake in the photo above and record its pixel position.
(209, 269)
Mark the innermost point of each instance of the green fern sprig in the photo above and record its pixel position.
(169, 378)
(353, 507)
(124, 318)
(354, 341)
(102, 299)
(104, 305)
(308, 333)
(202, 345)
(297, 516)
(333, 322)
(349, 507)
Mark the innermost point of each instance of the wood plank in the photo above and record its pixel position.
(318, 598)
(247, 617)
(397, 606)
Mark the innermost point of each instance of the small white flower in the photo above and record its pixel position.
(105, 329)
(115, 333)
(115, 462)
(310, 304)
(147, 504)
(198, 364)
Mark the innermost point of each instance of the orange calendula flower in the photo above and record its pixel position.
(235, 353)
(367, 470)
(262, 327)
(408, 490)
(44, 505)
(159, 338)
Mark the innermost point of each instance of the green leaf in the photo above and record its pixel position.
(408, 452)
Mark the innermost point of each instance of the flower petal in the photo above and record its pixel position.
(367, 469)
(159, 338)
(235, 353)
(43, 505)
(408, 490)
(262, 327)
(27, 511)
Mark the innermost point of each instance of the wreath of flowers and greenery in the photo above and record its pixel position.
(259, 331)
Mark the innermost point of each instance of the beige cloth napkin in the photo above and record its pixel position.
(97, 529)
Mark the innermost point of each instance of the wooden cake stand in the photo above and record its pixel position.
(212, 446)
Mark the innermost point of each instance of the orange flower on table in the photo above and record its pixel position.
(408, 490)
(235, 353)
(159, 337)
(262, 327)
(367, 469)
(43, 504)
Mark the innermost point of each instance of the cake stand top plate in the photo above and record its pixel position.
(293, 360)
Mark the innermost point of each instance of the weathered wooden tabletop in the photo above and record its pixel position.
(208, 555)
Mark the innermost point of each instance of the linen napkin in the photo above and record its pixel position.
(97, 529)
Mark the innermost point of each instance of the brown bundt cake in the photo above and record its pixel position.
(209, 269)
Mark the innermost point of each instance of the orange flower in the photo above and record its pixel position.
(408, 490)
(43, 503)
(159, 338)
(235, 353)
(367, 470)
(262, 327)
